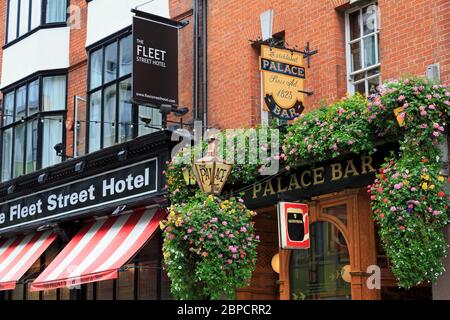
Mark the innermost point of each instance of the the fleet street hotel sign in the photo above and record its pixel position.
(87, 194)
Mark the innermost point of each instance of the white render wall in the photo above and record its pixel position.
(45, 49)
(106, 17)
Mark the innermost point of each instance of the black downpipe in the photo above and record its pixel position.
(196, 64)
(205, 64)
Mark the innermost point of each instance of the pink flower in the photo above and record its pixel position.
(436, 213)
(435, 125)
(423, 113)
(185, 237)
(350, 142)
(413, 189)
(209, 236)
(423, 126)
(243, 229)
(215, 219)
(229, 261)
(257, 237)
(220, 255)
(224, 223)
(398, 186)
(436, 133)
(393, 209)
(401, 98)
(233, 249)
(164, 172)
(189, 230)
(431, 107)
(372, 197)
(234, 256)
(335, 147)
(441, 129)
(231, 235)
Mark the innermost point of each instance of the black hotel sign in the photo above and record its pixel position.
(90, 193)
(155, 64)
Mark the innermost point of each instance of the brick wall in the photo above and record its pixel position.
(78, 69)
(414, 34)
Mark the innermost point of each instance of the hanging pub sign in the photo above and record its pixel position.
(155, 60)
(283, 75)
(293, 225)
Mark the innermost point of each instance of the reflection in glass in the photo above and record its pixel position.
(355, 29)
(125, 111)
(126, 52)
(339, 211)
(95, 118)
(355, 56)
(33, 97)
(6, 154)
(8, 109)
(95, 76)
(369, 51)
(110, 62)
(31, 156)
(109, 116)
(51, 136)
(316, 273)
(21, 102)
(19, 149)
(370, 19)
(56, 11)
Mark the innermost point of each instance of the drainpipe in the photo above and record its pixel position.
(196, 72)
(205, 64)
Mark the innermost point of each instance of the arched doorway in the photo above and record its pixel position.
(317, 273)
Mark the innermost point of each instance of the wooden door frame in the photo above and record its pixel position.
(359, 234)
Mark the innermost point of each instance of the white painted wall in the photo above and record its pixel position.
(106, 17)
(45, 49)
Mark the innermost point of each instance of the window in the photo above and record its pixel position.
(32, 124)
(112, 117)
(26, 15)
(362, 47)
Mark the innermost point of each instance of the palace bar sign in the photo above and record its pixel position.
(155, 63)
(283, 75)
(86, 194)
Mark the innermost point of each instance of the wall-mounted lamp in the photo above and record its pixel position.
(275, 263)
(122, 155)
(118, 211)
(43, 177)
(11, 189)
(79, 167)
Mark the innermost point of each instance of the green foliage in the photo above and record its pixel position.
(330, 132)
(408, 198)
(209, 247)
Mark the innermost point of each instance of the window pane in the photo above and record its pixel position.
(32, 136)
(147, 113)
(33, 97)
(8, 109)
(7, 154)
(54, 93)
(52, 135)
(32, 295)
(111, 62)
(96, 60)
(17, 294)
(370, 19)
(56, 11)
(64, 294)
(125, 111)
(355, 56)
(21, 95)
(19, 149)
(360, 87)
(24, 13)
(148, 280)
(109, 116)
(355, 27)
(373, 84)
(49, 294)
(125, 290)
(126, 52)
(339, 211)
(35, 13)
(95, 118)
(12, 19)
(369, 51)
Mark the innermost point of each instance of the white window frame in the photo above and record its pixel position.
(350, 83)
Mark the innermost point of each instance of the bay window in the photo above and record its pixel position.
(27, 15)
(112, 117)
(362, 49)
(32, 124)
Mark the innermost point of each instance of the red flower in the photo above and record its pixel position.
(402, 227)
(424, 160)
(441, 194)
(382, 216)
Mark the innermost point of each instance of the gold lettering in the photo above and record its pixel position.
(302, 178)
(318, 176)
(280, 189)
(256, 189)
(366, 165)
(293, 183)
(336, 171)
(268, 188)
(350, 169)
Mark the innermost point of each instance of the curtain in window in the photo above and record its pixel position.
(12, 19)
(35, 13)
(33, 97)
(96, 60)
(21, 96)
(95, 118)
(110, 62)
(56, 11)
(54, 93)
(6, 154)
(19, 149)
(8, 109)
(109, 116)
(31, 156)
(125, 111)
(51, 136)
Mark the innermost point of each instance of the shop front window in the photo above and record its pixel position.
(316, 273)
(112, 116)
(362, 46)
(32, 124)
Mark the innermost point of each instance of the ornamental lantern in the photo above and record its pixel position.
(211, 172)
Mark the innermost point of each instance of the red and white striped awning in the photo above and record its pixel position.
(99, 250)
(18, 254)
